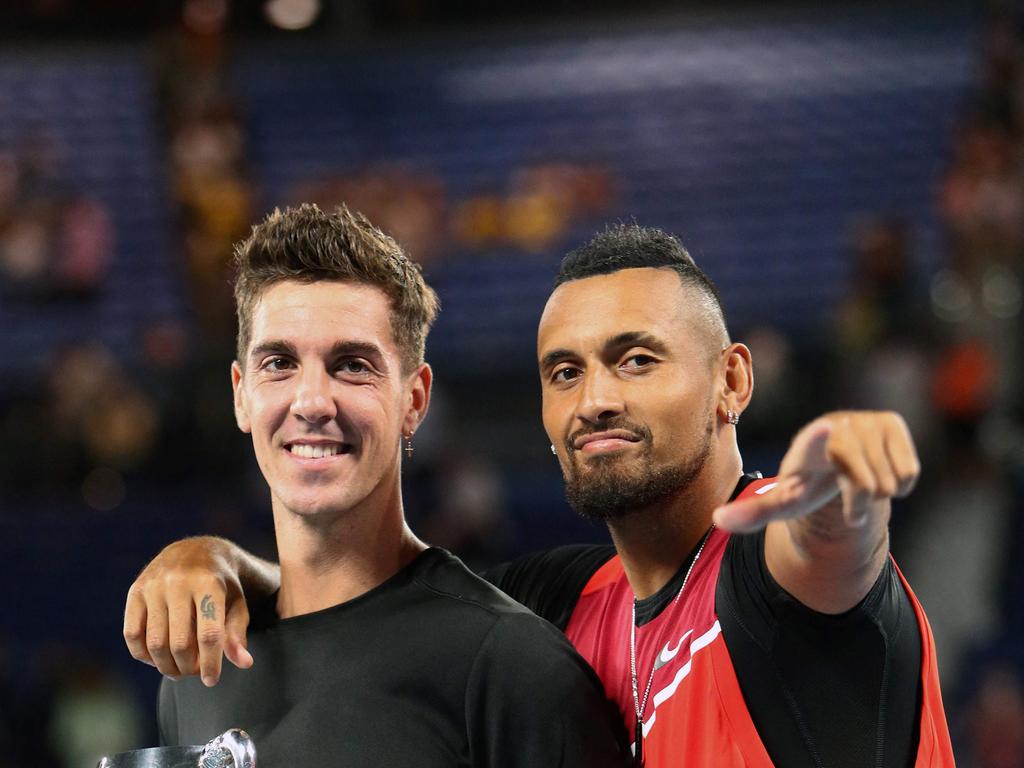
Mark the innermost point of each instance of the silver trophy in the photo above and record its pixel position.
(232, 749)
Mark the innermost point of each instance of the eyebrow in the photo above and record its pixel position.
(619, 341)
(271, 348)
(338, 349)
(365, 349)
(636, 339)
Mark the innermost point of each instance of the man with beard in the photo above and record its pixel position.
(737, 621)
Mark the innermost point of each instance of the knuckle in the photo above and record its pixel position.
(180, 644)
(174, 579)
(156, 644)
(896, 419)
(211, 637)
(866, 487)
(133, 635)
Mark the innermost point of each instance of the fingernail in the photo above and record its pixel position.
(209, 681)
(172, 677)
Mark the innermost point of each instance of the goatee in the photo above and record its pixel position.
(610, 491)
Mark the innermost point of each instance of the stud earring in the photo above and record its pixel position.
(553, 451)
(732, 417)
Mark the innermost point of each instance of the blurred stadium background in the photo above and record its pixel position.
(852, 178)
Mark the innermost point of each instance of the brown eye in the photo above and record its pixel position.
(277, 364)
(564, 375)
(357, 367)
(638, 361)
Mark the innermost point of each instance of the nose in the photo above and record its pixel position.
(600, 396)
(313, 401)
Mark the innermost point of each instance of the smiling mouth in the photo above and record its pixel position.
(319, 451)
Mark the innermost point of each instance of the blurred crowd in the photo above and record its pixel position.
(56, 242)
(943, 348)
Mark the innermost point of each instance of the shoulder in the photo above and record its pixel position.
(447, 580)
(579, 559)
(550, 582)
(508, 629)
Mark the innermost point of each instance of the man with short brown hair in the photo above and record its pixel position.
(377, 649)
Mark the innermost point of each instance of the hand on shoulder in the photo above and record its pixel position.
(186, 610)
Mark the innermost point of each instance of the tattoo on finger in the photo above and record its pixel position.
(207, 607)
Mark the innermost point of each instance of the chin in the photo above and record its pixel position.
(313, 507)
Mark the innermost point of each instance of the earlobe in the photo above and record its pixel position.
(241, 406)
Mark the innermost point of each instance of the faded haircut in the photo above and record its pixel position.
(630, 246)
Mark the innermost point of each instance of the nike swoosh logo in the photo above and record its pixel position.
(668, 653)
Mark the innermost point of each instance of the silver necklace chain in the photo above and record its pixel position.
(641, 705)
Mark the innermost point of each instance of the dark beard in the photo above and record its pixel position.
(610, 492)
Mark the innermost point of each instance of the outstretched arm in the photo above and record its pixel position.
(827, 518)
(187, 608)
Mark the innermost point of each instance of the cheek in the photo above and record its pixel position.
(555, 416)
(377, 416)
(267, 407)
(678, 418)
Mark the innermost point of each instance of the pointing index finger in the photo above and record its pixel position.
(210, 636)
(785, 499)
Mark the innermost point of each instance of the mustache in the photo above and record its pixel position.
(641, 432)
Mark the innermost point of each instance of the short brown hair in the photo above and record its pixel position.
(309, 245)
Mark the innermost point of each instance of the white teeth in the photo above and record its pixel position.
(315, 451)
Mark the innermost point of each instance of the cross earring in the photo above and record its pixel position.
(408, 446)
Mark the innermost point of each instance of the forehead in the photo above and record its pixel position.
(583, 313)
(327, 310)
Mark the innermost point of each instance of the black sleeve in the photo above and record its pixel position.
(549, 582)
(823, 690)
(532, 701)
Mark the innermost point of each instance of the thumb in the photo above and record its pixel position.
(235, 627)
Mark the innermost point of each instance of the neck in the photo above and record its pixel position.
(653, 542)
(325, 562)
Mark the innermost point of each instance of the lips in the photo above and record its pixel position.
(607, 440)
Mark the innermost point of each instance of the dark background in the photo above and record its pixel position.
(851, 178)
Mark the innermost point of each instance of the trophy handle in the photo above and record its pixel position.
(232, 748)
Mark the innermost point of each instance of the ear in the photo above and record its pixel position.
(418, 398)
(241, 404)
(737, 380)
